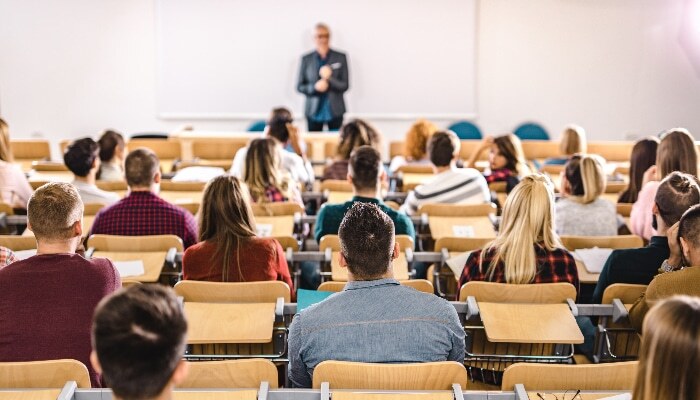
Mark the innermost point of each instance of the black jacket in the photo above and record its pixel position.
(338, 82)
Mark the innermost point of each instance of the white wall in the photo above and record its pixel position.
(71, 68)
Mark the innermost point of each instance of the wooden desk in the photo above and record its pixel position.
(343, 395)
(222, 395)
(549, 395)
(410, 180)
(282, 225)
(584, 276)
(529, 323)
(37, 179)
(339, 197)
(152, 263)
(176, 197)
(340, 274)
(445, 226)
(50, 394)
(211, 323)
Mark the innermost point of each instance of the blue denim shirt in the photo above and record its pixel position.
(374, 321)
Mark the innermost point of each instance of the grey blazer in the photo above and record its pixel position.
(338, 82)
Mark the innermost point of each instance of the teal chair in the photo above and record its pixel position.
(257, 126)
(531, 131)
(466, 130)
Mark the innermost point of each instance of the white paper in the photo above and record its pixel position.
(465, 231)
(129, 268)
(24, 254)
(623, 396)
(264, 230)
(593, 259)
(197, 174)
(457, 263)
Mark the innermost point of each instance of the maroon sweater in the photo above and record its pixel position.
(46, 307)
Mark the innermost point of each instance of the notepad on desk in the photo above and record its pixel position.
(593, 259)
(457, 263)
(129, 268)
(464, 231)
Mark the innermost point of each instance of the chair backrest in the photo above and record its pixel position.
(230, 374)
(611, 150)
(605, 376)
(627, 293)
(540, 149)
(233, 292)
(336, 185)
(257, 126)
(288, 242)
(218, 149)
(275, 209)
(492, 292)
(396, 148)
(416, 376)
(43, 374)
(457, 210)
(608, 242)
(165, 149)
(531, 131)
(18, 243)
(146, 243)
(466, 130)
(49, 166)
(7, 209)
(93, 208)
(167, 185)
(112, 186)
(459, 244)
(424, 169)
(333, 242)
(624, 209)
(30, 149)
(421, 285)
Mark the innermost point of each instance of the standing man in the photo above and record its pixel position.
(323, 78)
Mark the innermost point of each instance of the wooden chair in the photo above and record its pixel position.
(217, 153)
(337, 191)
(445, 220)
(423, 169)
(608, 376)
(540, 149)
(501, 194)
(230, 374)
(276, 219)
(418, 376)
(609, 242)
(409, 180)
(187, 195)
(18, 243)
(43, 374)
(467, 147)
(338, 273)
(169, 151)
(441, 276)
(509, 293)
(233, 292)
(26, 151)
(113, 186)
(288, 242)
(618, 341)
(612, 150)
(49, 166)
(420, 285)
(625, 209)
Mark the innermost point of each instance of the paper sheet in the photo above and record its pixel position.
(197, 174)
(457, 262)
(24, 254)
(623, 396)
(129, 268)
(264, 230)
(465, 231)
(593, 259)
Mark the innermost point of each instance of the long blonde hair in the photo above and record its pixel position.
(262, 169)
(669, 359)
(586, 177)
(5, 147)
(526, 223)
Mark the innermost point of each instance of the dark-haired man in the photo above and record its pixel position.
(450, 184)
(374, 319)
(365, 173)
(82, 159)
(142, 211)
(138, 338)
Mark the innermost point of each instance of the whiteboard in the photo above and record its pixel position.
(239, 59)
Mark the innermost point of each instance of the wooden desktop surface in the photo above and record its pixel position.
(445, 226)
(222, 395)
(343, 395)
(50, 394)
(281, 225)
(229, 322)
(152, 263)
(548, 395)
(529, 323)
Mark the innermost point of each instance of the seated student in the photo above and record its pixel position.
(642, 158)
(572, 141)
(415, 146)
(142, 212)
(7, 256)
(112, 155)
(353, 134)
(281, 128)
(229, 250)
(676, 193)
(669, 358)
(680, 272)
(581, 211)
(47, 300)
(526, 249)
(366, 175)
(374, 319)
(138, 338)
(450, 184)
(267, 182)
(82, 159)
(14, 187)
(506, 159)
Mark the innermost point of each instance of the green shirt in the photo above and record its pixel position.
(331, 215)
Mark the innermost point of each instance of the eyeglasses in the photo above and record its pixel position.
(548, 396)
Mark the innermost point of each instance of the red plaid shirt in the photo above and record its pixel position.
(499, 175)
(6, 256)
(144, 213)
(557, 265)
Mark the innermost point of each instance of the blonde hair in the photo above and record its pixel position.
(5, 147)
(573, 140)
(586, 177)
(526, 223)
(417, 137)
(53, 210)
(262, 169)
(669, 358)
